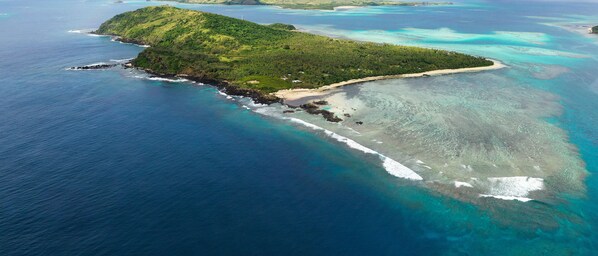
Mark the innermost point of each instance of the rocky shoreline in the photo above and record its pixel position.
(259, 97)
(94, 66)
(222, 85)
(255, 95)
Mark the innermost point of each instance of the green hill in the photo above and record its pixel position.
(261, 58)
(313, 4)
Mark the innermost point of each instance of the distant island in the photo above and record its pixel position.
(593, 30)
(314, 4)
(249, 59)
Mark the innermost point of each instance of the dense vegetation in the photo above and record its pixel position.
(595, 30)
(314, 4)
(282, 26)
(264, 58)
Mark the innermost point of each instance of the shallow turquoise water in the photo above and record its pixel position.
(106, 163)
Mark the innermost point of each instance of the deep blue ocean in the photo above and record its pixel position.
(105, 163)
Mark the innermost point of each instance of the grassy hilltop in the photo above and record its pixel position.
(313, 4)
(264, 58)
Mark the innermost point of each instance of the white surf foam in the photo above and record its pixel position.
(513, 188)
(459, 184)
(390, 165)
(178, 80)
(96, 64)
(228, 97)
(88, 32)
(509, 198)
(397, 169)
(393, 167)
(162, 79)
(121, 60)
(80, 31)
(88, 65)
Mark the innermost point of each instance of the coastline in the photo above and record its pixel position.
(346, 7)
(290, 94)
(296, 94)
(223, 85)
(324, 6)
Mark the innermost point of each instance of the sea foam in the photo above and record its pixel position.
(121, 60)
(162, 79)
(508, 198)
(459, 184)
(80, 31)
(88, 65)
(513, 188)
(393, 167)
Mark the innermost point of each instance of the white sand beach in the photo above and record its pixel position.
(295, 94)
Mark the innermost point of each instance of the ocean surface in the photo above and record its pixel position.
(114, 162)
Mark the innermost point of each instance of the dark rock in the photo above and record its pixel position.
(314, 110)
(94, 67)
(321, 102)
(330, 117)
(347, 115)
(256, 95)
(129, 41)
(359, 122)
(225, 86)
(288, 111)
(309, 106)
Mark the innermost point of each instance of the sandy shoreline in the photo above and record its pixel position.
(295, 94)
(346, 7)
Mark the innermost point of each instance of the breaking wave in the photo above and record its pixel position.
(393, 167)
(513, 188)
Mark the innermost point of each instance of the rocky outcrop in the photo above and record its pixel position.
(315, 110)
(256, 95)
(224, 86)
(94, 66)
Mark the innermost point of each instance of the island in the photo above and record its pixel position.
(593, 30)
(262, 61)
(315, 4)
